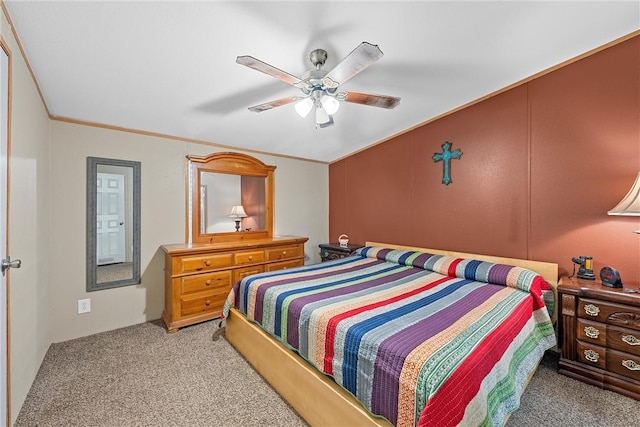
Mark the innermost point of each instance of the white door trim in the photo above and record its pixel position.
(5, 168)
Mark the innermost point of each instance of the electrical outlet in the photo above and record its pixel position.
(84, 305)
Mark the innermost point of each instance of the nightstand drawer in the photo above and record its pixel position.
(624, 364)
(286, 252)
(208, 281)
(191, 264)
(611, 313)
(623, 339)
(592, 332)
(593, 355)
(247, 258)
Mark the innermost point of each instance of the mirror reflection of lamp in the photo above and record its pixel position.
(238, 213)
(630, 204)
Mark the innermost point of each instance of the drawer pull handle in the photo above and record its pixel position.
(208, 282)
(631, 340)
(591, 332)
(207, 302)
(207, 263)
(592, 310)
(631, 365)
(250, 258)
(591, 355)
(284, 252)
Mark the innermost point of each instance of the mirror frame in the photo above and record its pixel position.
(234, 164)
(92, 176)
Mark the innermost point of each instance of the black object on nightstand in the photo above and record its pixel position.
(331, 251)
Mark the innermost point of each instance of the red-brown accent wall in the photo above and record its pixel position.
(542, 164)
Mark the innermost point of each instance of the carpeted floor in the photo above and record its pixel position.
(142, 376)
(114, 272)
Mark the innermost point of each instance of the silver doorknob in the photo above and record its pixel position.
(7, 264)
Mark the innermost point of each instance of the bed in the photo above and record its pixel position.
(397, 335)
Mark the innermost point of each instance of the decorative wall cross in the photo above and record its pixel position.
(446, 157)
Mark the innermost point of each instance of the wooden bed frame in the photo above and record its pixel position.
(315, 396)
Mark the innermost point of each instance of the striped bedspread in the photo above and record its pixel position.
(419, 339)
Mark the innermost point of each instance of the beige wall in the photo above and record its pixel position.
(301, 208)
(28, 227)
(47, 223)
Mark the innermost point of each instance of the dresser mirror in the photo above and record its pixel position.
(113, 223)
(230, 198)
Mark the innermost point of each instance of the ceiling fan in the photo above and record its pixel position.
(320, 87)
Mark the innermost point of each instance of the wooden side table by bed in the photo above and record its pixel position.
(599, 331)
(331, 251)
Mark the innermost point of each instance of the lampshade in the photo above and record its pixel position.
(323, 120)
(630, 204)
(237, 212)
(304, 106)
(330, 104)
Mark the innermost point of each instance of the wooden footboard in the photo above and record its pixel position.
(316, 397)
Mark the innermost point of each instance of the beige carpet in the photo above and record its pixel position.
(142, 376)
(114, 272)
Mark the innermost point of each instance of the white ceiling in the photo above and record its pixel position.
(169, 67)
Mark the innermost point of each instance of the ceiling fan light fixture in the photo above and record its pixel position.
(322, 118)
(320, 87)
(304, 106)
(330, 104)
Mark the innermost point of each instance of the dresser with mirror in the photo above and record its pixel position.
(229, 235)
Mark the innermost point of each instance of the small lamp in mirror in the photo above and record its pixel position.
(238, 213)
(630, 204)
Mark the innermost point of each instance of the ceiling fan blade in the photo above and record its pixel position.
(359, 59)
(270, 70)
(381, 101)
(273, 104)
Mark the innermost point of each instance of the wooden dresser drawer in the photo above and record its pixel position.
(611, 313)
(202, 303)
(624, 364)
(207, 281)
(248, 258)
(592, 332)
(286, 252)
(627, 340)
(241, 273)
(283, 265)
(196, 263)
(593, 355)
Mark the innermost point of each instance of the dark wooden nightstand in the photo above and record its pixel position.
(599, 332)
(330, 251)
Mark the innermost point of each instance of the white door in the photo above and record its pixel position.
(110, 234)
